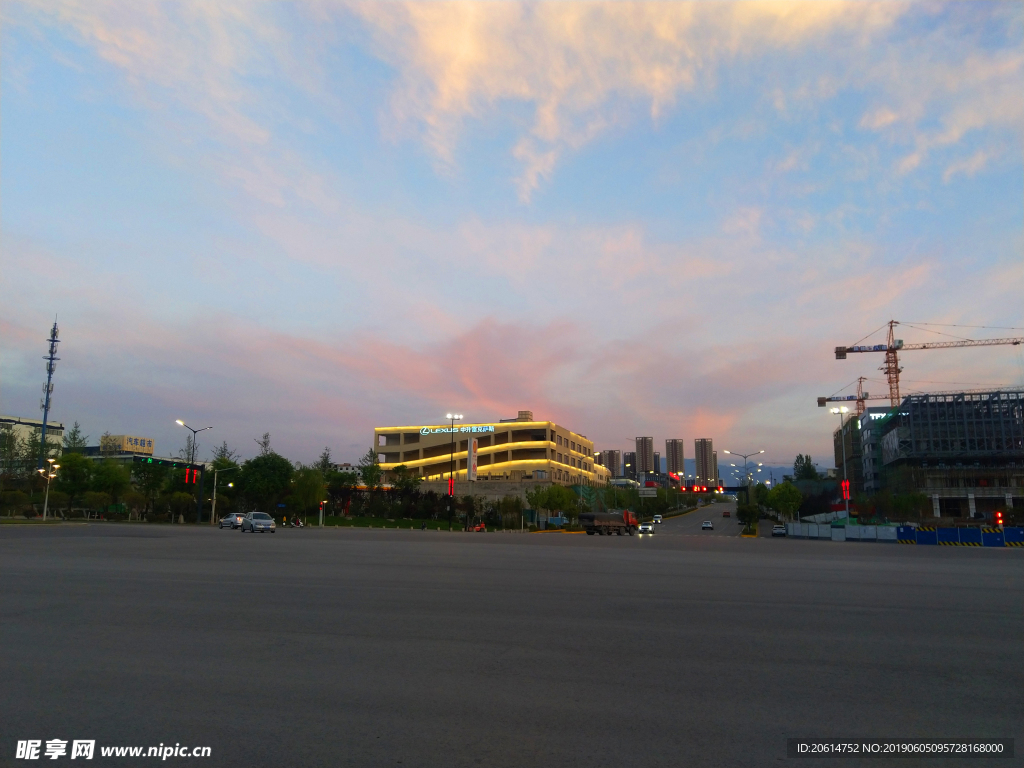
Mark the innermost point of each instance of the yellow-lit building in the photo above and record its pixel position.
(509, 449)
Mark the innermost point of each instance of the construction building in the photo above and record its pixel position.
(964, 451)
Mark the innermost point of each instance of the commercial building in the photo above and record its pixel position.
(25, 429)
(645, 455)
(674, 461)
(706, 459)
(121, 445)
(965, 451)
(657, 463)
(509, 449)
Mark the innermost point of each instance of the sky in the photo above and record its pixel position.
(313, 218)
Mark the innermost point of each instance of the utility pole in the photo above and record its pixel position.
(51, 365)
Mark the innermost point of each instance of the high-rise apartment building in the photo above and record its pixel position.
(674, 456)
(629, 466)
(707, 461)
(645, 455)
(657, 463)
(612, 461)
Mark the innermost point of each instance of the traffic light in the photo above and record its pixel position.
(451, 486)
(846, 490)
(999, 518)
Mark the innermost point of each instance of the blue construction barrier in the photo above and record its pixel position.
(970, 537)
(948, 536)
(926, 535)
(906, 534)
(992, 537)
(1013, 537)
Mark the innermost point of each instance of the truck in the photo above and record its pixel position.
(606, 523)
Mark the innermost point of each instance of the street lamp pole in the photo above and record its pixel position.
(213, 511)
(842, 439)
(745, 476)
(451, 469)
(192, 460)
(49, 473)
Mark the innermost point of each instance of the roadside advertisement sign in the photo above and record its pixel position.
(471, 460)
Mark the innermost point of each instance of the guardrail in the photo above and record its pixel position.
(926, 535)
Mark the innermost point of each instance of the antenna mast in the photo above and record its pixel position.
(51, 365)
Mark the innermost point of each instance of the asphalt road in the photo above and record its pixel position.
(689, 524)
(412, 648)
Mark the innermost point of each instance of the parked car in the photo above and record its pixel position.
(234, 520)
(657, 519)
(258, 521)
(778, 530)
(646, 528)
(707, 525)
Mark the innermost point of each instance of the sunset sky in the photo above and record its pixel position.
(313, 218)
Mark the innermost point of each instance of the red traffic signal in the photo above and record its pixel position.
(846, 490)
(999, 518)
(451, 486)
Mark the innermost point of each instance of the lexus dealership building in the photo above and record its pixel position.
(509, 449)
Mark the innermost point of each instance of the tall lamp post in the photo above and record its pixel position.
(192, 460)
(745, 476)
(451, 470)
(213, 512)
(842, 411)
(49, 473)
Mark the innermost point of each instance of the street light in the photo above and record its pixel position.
(745, 457)
(213, 511)
(841, 411)
(451, 469)
(49, 474)
(192, 460)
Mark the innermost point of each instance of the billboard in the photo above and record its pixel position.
(471, 460)
(126, 444)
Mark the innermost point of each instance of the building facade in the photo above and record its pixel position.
(629, 465)
(848, 448)
(964, 451)
(706, 459)
(506, 450)
(645, 455)
(612, 461)
(674, 461)
(19, 434)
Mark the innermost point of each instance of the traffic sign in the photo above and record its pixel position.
(649, 492)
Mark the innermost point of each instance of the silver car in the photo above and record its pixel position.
(258, 522)
(234, 520)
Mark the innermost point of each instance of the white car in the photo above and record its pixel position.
(657, 519)
(707, 525)
(258, 522)
(646, 528)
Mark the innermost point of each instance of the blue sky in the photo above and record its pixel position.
(658, 219)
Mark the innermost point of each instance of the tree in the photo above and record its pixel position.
(265, 479)
(225, 455)
(74, 476)
(370, 470)
(150, 480)
(307, 488)
(324, 462)
(340, 488)
(186, 453)
(136, 503)
(74, 440)
(108, 445)
(785, 499)
(761, 494)
(10, 452)
(804, 469)
(111, 478)
(264, 444)
(96, 501)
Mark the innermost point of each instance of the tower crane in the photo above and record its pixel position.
(894, 346)
(861, 396)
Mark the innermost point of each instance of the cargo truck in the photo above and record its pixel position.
(608, 523)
